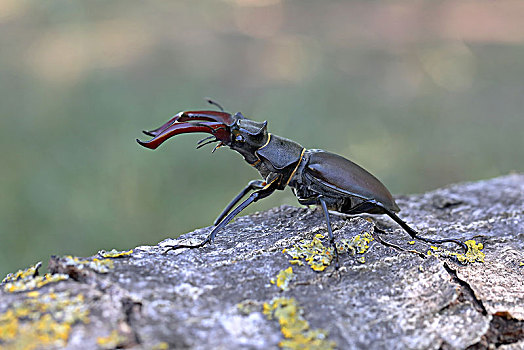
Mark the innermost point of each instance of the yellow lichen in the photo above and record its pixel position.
(112, 341)
(161, 346)
(28, 279)
(358, 244)
(296, 262)
(43, 322)
(30, 272)
(316, 255)
(472, 255)
(115, 253)
(283, 278)
(294, 327)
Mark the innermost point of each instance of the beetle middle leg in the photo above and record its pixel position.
(330, 232)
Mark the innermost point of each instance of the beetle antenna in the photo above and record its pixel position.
(214, 103)
(205, 139)
(206, 143)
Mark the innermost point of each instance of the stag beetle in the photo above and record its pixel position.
(316, 177)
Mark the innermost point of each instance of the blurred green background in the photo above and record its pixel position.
(420, 93)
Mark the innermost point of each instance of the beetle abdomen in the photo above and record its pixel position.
(344, 176)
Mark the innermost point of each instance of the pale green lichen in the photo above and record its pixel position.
(473, 254)
(113, 253)
(97, 265)
(294, 327)
(28, 279)
(283, 279)
(41, 321)
(248, 306)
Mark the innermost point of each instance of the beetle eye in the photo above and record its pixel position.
(239, 138)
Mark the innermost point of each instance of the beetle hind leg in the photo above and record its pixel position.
(374, 207)
(414, 234)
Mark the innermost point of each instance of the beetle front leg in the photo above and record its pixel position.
(252, 185)
(253, 197)
(330, 232)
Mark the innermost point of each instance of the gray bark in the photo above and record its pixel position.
(212, 297)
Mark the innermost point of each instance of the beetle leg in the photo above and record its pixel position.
(370, 204)
(414, 234)
(255, 196)
(375, 235)
(330, 232)
(252, 185)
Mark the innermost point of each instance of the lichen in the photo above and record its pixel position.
(294, 327)
(97, 265)
(113, 341)
(316, 255)
(356, 245)
(473, 254)
(283, 279)
(42, 321)
(31, 271)
(248, 306)
(113, 253)
(161, 346)
(28, 279)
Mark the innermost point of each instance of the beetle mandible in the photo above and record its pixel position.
(316, 177)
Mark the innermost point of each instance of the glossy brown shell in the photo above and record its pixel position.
(344, 176)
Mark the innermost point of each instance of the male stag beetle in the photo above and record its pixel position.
(315, 176)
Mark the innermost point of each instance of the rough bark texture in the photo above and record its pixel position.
(213, 297)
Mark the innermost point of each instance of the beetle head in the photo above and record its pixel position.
(247, 136)
(240, 134)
